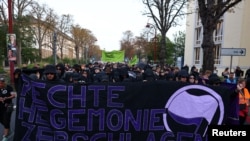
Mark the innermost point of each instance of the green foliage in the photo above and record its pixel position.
(3, 44)
(66, 61)
(74, 61)
(25, 35)
(1, 70)
(170, 52)
(24, 38)
(69, 61)
(49, 60)
(169, 57)
(179, 41)
(179, 45)
(30, 54)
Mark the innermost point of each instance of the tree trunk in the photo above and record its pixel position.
(61, 51)
(208, 46)
(163, 52)
(77, 53)
(40, 49)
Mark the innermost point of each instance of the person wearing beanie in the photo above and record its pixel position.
(183, 76)
(60, 70)
(50, 73)
(214, 80)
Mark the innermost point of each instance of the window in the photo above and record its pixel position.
(198, 20)
(198, 35)
(217, 50)
(218, 33)
(197, 55)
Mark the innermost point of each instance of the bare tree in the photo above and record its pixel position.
(75, 31)
(63, 26)
(44, 21)
(4, 12)
(94, 52)
(211, 13)
(165, 14)
(90, 46)
(21, 8)
(82, 38)
(127, 44)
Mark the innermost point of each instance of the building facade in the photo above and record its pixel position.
(231, 32)
(62, 39)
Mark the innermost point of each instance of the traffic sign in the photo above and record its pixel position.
(233, 51)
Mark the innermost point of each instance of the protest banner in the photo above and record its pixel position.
(150, 111)
(112, 56)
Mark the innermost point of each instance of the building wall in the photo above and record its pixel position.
(235, 35)
(189, 40)
(68, 49)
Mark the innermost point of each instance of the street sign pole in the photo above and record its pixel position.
(10, 29)
(231, 61)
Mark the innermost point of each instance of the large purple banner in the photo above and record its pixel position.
(152, 111)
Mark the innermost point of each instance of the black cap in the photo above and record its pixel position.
(50, 69)
(214, 79)
(183, 73)
(76, 76)
(17, 71)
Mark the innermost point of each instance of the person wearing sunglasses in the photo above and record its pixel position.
(193, 79)
(50, 74)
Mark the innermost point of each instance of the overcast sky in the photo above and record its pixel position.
(107, 19)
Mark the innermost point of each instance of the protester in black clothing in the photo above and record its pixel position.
(17, 75)
(97, 75)
(183, 75)
(193, 68)
(148, 75)
(85, 77)
(50, 74)
(193, 79)
(170, 76)
(186, 67)
(60, 70)
(139, 74)
(124, 76)
(214, 80)
(6, 96)
(247, 74)
(238, 73)
(225, 73)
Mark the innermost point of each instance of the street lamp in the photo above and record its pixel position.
(54, 46)
(86, 53)
(138, 53)
(149, 25)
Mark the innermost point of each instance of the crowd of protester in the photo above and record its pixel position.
(122, 72)
(86, 74)
(114, 72)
